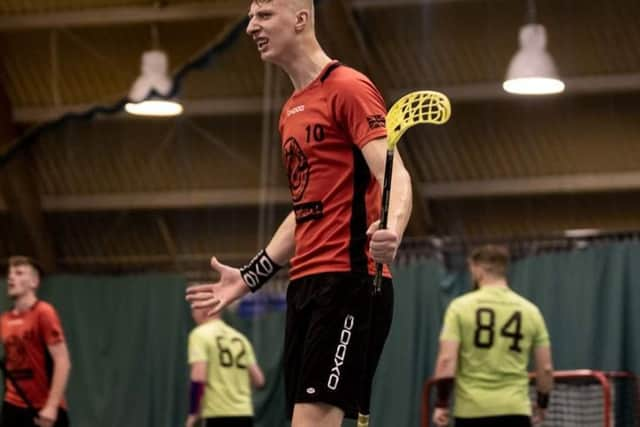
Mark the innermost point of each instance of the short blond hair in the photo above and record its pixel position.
(296, 3)
(494, 259)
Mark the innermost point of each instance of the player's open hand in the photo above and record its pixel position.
(384, 243)
(441, 417)
(216, 296)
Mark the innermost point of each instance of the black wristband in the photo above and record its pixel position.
(543, 400)
(443, 388)
(259, 270)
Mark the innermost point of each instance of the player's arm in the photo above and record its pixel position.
(447, 361)
(61, 369)
(198, 354)
(52, 334)
(446, 366)
(256, 375)
(234, 283)
(445, 370)
(400, 203)
(199, 372)
(544, 366)
(282, 245)
(198, 383)
(544, 369)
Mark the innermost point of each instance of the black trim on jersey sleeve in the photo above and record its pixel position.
(358, 224)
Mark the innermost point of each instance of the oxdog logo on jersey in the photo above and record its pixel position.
(295, 110)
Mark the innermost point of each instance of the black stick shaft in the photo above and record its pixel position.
(386, 196)
(19, 389)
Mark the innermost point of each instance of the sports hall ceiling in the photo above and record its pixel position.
(118, 194)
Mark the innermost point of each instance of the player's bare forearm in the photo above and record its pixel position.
(199, 372)
(544, 369)
(61, 369)
(447, 362)
(282, 245)
(256, 376)
(401, 200)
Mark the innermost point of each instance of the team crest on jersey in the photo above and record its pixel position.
(376, 121)
(298, 168)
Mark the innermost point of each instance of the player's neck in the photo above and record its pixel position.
(304, 66)
(493, 283)
(25, 302)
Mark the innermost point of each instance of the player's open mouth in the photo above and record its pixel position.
(262, 43)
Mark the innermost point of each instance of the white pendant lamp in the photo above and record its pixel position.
(153, 81)
(532, 70)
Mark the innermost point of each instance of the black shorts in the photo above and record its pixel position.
(333, 340)
(229, 422)
(15, 416)
(501, 421)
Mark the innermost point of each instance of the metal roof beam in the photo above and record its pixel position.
(372, 4)
(164, 200)
(542, 185)
(121, 15)
(584, 85)
(581, 85)
(201, 107)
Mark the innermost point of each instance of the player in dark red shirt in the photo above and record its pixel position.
(333, 139)
(36, 355)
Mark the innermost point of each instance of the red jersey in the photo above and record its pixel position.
(25, 337)
(335, 197)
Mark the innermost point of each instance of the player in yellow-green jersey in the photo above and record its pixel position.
(223, 369)
(487, 338)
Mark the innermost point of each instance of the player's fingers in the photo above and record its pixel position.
(217, 265)
(373, 227)
(199, 296)
(198, 288)
(208, 303)
(384, 236)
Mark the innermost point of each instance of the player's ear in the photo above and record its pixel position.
(302, 20)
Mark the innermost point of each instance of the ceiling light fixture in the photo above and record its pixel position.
(149, 92)
(532, 70)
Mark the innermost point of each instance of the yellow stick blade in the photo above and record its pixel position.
(416, 108)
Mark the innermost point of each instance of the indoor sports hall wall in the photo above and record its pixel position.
(127, 338)
(127, 335)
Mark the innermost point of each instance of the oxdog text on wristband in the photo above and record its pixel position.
(259, 270)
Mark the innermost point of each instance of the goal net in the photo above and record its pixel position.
(581, 398)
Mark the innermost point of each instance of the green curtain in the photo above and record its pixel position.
(127, 338)
(590, 302)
